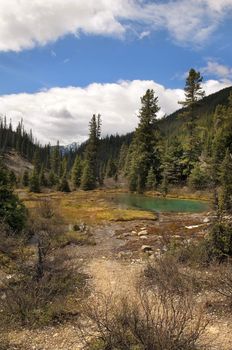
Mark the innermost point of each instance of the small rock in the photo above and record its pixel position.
(176, 236)
(146, 248)
(3, 296)
(206, 220)
(142, 233)
(134, 232)
(143, 237)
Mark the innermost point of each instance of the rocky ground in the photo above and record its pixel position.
(120, 253)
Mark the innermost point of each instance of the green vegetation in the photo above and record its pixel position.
(144, 152)
(12, 210)
(42, 282)
(90, 174)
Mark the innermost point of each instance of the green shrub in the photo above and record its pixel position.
(12, 210)
(220, 241)
(199, 178)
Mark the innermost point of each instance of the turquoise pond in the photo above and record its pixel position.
(158, 204)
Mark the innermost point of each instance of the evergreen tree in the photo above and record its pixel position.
(52, 179)
(63, 185)
(226, 183)
(91, 167)
(12, 210)
(199, 179)
(111, 169)
(34, 185)
(77, 172)
(63, 167)
(193, 93)
(12, 178)
(151, 180)
(88, 179)
(144, 150)
(36, 161)
(42, 177)
(56, 159)
(25, 179)
(164, 184)
(193, 89)
(173, 161)
(123, 157)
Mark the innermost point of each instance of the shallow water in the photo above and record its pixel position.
(158, 204)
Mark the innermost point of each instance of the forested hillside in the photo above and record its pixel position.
(183, 148)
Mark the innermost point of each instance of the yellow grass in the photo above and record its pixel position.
(92, 207)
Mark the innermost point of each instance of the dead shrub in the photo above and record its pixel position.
(221, 281)
(38, 300)
(165, 274)
(46, 209)
(41, 282)
(192, 254)
(147, 321)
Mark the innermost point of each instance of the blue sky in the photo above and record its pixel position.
(62, 60)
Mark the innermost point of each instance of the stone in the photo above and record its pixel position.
(142, 233)
(146, 248)
(143, 237)
(133, 232)
(206, 220)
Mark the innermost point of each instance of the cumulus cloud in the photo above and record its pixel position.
(221, 71)
(25, 23)
(64, 113)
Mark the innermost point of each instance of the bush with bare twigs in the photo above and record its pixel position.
(147, 320)
(222, 280)
(41, 281)
(166, 274)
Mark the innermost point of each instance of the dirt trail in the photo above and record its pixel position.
(110, 273)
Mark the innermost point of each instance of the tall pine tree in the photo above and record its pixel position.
(144, 150)
(91, 168)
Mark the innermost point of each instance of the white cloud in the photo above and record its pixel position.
(220, 71)
(212, 86)
(26, 23)
(64, 113)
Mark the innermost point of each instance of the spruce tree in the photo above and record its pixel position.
(52, 179)
(36, 161)
(34, 185)
(193, 89)
(193, 93)
(111, 169)
(12, 178)
(25, 179)
(56, 159)
(164, 184)
(42, 177)
(199, 179)
(144, 151)
(88, 179)
(64, 185)
(226, 183)
(91, 168)
(12, 210)
(77, 172)
(151, 180)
